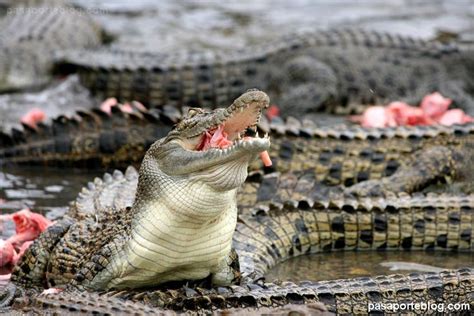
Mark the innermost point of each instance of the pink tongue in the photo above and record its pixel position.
(219, 140)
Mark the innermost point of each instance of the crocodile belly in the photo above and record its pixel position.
(162, 251)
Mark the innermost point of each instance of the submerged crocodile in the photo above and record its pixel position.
(336, 70)
(178, 223)
(30, 35)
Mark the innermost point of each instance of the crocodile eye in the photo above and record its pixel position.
(194, 111)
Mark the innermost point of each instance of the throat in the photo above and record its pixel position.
(193, 201)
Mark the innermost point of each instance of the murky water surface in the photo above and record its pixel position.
(349, 264)
(42, 189)
(170, 26)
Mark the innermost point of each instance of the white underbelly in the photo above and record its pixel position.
(169, 249)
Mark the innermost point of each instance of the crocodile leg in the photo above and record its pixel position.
(227, 270)
(436, 163)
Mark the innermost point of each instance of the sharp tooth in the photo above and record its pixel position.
(256, 135)
(266, 135)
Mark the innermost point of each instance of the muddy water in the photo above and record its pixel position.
(349, 264)
(170, 26)
(44, 190)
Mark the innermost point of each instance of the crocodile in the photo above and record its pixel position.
(32, 32)
(339, 71)
(93, 248)
(272, 233)
(334, 155)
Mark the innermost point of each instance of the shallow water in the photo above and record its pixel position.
(349, 264)
(44, 190)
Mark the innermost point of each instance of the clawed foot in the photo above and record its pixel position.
(252, 278)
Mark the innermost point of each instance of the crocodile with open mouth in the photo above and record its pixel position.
(180, 222)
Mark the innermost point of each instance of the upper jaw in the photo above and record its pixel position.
(231, 126)
(244, 113)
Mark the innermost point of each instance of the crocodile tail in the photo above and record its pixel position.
(116, 73)
(293, 228)
(89, 138)
(358, 296)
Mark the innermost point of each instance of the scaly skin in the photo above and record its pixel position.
(334, 155)
(91, 138)
(350, 296)
(343, 297)
(279, 231)
(337, 70)
(90, 248)
(32, 32)
(86, 303)
(334, 221)
(117, 191)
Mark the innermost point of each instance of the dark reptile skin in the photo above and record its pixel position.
(334, 155)
(336, 70)
(288, 222)
(278, 231)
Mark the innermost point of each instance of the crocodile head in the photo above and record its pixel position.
(215, 146)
